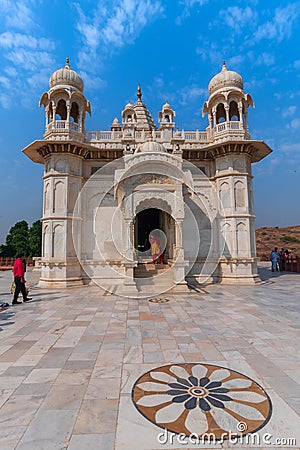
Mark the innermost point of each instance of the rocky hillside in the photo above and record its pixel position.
(269, 237)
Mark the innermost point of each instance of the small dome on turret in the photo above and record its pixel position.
(115, 125)
(115, 122)
(166, 106)
(129, 105)
(225, 78)
(66, 76)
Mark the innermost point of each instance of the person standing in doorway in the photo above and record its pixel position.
(19, 281)
(156, 250)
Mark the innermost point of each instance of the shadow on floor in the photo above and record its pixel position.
(266, 273)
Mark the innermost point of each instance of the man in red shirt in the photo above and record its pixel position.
(19, 281)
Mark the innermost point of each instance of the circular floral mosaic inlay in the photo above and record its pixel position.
(196, 398)
(159, 300)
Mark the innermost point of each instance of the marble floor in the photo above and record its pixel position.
(82, 369)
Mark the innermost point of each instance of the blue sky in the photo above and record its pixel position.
(173, 48)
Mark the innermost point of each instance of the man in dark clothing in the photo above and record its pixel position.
(19, 281)
(282, 259)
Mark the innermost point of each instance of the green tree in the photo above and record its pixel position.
(35, 239)
(5, 250)
(16, 240)
(23, 240)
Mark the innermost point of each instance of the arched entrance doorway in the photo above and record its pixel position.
(148, 220)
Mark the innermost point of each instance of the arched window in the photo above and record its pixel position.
(225, 195)
(129, 118)
(46, 243)
(225, 239)
(59, 197)
(167, 118)
(58, 241)
(241, 239)
(61, 110)
(47, 198)
(74, 113)
(221, 114)
(233, 111)
(239, 196)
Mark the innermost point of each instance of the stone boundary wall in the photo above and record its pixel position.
(293, 265)
(6, 263)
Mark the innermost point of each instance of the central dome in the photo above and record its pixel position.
(151, 146)
(66, 76)
(225, 78)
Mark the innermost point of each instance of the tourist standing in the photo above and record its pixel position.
(282, 259)
(274, 258)
(19, 281)
(287, 255)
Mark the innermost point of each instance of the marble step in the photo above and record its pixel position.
(150, 270)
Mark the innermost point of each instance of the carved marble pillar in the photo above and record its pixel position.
(214, 114)
(128, 243)
(53, 126)
(129, 263)
(246, 124)
(240, 107)
(227, 113)
(178, 234)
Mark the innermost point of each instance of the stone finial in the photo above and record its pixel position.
(139, 92)
(67, 66)
(224, 67)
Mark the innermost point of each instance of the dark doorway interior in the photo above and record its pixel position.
(146, 221)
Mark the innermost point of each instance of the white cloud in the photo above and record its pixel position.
(17, 14)
(288, 112)
(11, 71)
(274, 161)
(26, 56)
(297, 64)
(89, 28)
(235, 61)
(159, 82)
(104, 30)
(238, 18)
(280, 27)
(265, 59)
(4, 82)
(191, 3)
(91, 82)
(187, 6)
(293, 95)
(295, 124)
(39, 78)
(211, 51)
(189, 94)
(118, 25)
(5, 100)
(295, 147)
(30, 60)
(11, 39)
